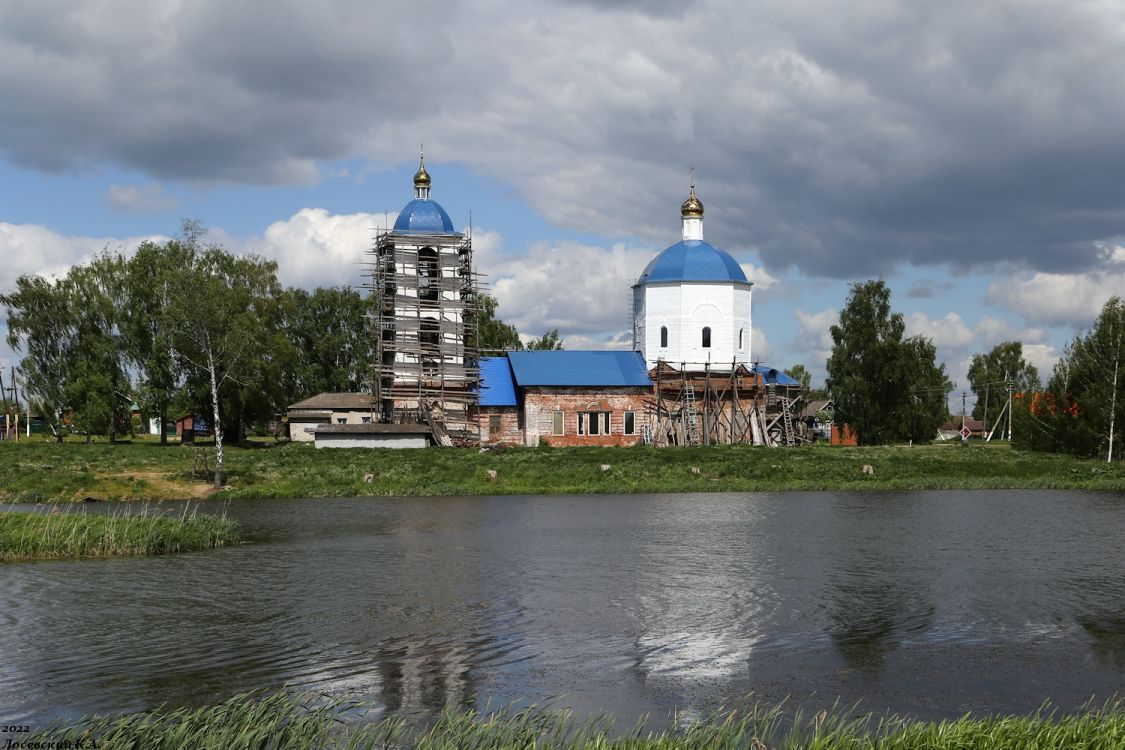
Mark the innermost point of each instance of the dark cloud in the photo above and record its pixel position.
(843, 140)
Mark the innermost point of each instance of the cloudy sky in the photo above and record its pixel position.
(970, 153)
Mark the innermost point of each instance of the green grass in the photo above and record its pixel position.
(71, 532)
(40, 471)
(287, 721)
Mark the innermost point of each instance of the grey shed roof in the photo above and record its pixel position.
(322, 401)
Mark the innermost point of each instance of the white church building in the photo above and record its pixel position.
(691, 305)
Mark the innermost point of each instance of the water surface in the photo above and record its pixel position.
(928, 603)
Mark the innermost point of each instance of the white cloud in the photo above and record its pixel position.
(1059, 299)
(949, 332)
(316, 248)
(146, 199)
(760, 345)
(763, 281)
(583, 290)
(38, 251)
(816, 328)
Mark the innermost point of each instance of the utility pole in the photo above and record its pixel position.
(963, 395)
(987, 389)
(1011, 387)
(16, 409)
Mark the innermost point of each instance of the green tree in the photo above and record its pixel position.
(147, 327)
(547, 342)
(494, 335)
(801, 375)
(929, 386)
(217, 315)
(330, 342)
(98, 382)
(882, 386)
(990, 374)
(41, 327)
(1083, 409)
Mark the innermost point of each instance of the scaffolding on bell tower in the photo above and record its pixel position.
(425, 308)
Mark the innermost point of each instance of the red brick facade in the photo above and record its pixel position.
(499, 425)
(541, 405)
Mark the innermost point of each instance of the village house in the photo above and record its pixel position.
(306, 416)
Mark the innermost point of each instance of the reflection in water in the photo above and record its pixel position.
(935, 603)
(1108, 633)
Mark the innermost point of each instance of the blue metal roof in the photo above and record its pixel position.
(773, 375)
(692, 260)
(496, 385)
(579, 368)
(424, 215)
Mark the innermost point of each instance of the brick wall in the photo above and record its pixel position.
(510, 430)
(540, 405)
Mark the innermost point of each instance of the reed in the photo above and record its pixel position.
(285, 720)
(70, 531)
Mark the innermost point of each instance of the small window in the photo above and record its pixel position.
(557, 423)
(365, 420)
(594, 423)
(493, 424)
(706, 337)
(663, 336)
(630, 423)
(581, 423)
(341, 420)
(740, 338)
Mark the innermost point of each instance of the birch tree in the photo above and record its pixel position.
(1083, 410)
(215, 317)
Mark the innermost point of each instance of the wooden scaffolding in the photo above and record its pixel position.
(705, 405)
(425, 308)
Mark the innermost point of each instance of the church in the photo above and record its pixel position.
(689, 379)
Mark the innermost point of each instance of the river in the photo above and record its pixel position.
(929, 604)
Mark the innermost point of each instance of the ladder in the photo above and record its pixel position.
(691, 425)
(788, 437)
(646, 432)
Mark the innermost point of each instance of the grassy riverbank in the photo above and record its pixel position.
(285, 721)
(73, 533)
(42, 471)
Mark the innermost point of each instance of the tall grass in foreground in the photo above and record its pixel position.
(288, 721)
(72, 532)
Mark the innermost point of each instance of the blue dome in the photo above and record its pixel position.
(422, 215)
(692, 260)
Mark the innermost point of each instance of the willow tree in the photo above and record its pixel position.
(41, 327)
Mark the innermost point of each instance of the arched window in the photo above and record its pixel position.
(663, 336)
(740, 338)
(706, 337)
(428, 285)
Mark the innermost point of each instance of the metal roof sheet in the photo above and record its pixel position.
(692, 260)
(496, 385)
(774, 375)
(579, 368)
(424, 215)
